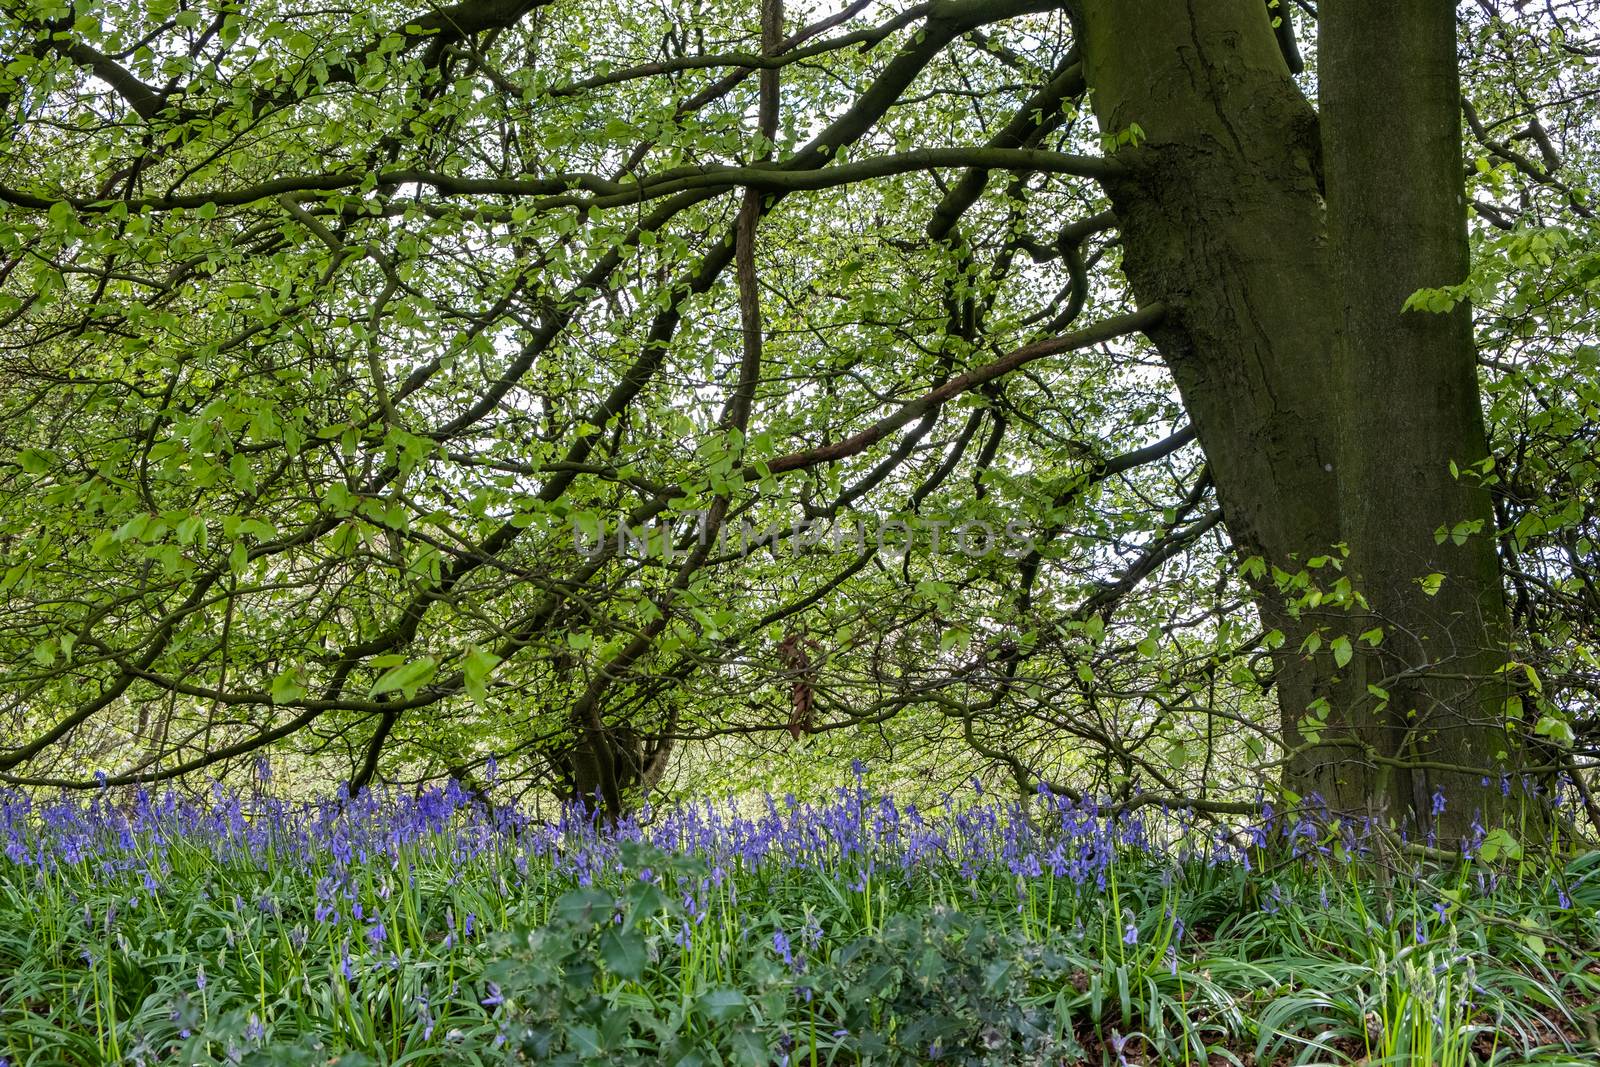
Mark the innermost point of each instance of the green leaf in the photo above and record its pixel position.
(1431, 583)
(723, 1005)
(582, 905)
(585, 1040)
(406, 678)
(191, 529)
(645, 900)
(132, 529)
(1499, 843)
(951, 637)
(624, 953)
(1342, 650)
(1556, 729)
(747, 1048)
(475, 671)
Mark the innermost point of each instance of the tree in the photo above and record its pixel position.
(340, 350)
(1285, 250)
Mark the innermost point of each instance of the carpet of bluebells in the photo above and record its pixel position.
(433, 929)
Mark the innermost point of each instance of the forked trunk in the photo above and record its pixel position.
(1224, 222)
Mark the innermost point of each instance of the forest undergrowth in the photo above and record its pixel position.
(433, 929)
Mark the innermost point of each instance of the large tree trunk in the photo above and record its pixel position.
(1397, 222)
(1223, 221)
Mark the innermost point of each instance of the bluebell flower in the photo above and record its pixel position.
(780, 945)
(425, 1015)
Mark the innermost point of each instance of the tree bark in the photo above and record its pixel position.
(632, 767)
(1224, 222)
(1397, 222)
